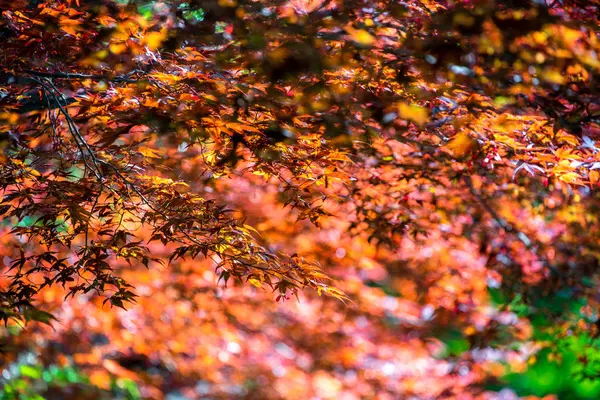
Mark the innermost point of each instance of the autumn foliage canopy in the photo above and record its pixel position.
(300, 199)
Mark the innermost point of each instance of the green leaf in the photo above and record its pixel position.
(30, 371)
(456, 343)
(33, 314)
(146, 10)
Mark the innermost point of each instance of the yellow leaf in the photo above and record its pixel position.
(463, 19)
(461, 144)
(148, 152)
(361, 37)
(251, 228)
(261, 173)
(167, 78)
(553, 76)
(157, 180)
(412, 112)
(9, 118)
(333, 292)
(181, 187)
(32, 171)
(570, 177)
(153, 40)
(255, 282)
(117, 48)
(508, 123)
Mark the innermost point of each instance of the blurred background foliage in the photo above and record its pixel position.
(437, 159)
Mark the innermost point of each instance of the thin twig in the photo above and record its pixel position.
(424, 7)
(523, 238)
(78, 138)
(68, 75)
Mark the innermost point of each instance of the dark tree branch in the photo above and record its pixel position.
(523, 238)
(126, 78)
